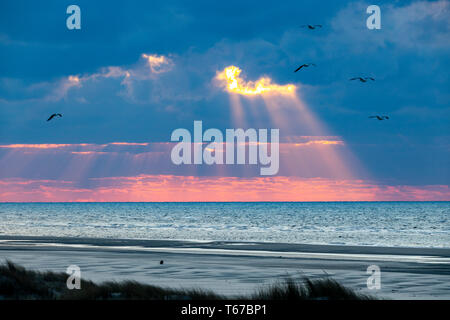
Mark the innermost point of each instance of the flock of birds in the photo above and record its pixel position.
(305, 65)
(360, 79)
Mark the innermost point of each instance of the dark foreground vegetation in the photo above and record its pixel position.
(16, 282)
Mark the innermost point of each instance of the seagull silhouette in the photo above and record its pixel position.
(380, 117)
(362, 79)
(305, 65)
(311, 26)
(54, 115)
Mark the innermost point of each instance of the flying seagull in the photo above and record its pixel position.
(362, 79)
(380, 117)
(311, 27)
(54, 115)
(305, 65)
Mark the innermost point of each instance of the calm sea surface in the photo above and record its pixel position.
(411, 224)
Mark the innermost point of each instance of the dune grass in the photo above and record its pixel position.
(307, 289)
(16, 282)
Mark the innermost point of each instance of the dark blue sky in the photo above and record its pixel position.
(409, 57)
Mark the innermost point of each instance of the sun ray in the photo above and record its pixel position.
(288, 113)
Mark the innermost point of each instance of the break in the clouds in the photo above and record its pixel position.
(137, 71)
(231, 80)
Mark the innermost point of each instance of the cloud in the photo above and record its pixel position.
(229, 78)
(319, 142)
(140, 84)
(419, 25)
(189, 188)
(305, 157)
(158, 64)
(63, 147)
(62, 88)
(35, 146)
(129, 77)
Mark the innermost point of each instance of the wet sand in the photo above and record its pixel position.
(234, 268)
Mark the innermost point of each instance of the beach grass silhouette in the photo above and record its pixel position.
(16, 282)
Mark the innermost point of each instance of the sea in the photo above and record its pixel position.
(392, 224)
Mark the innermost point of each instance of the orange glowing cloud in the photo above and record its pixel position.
(74, 79)
(89, 152)
(158, 64)
(129, 143)
(35, 146)
(319, 142)
(171, 188)
(66, 145)
(230, 79)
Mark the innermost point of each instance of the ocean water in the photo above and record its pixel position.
(406, 224)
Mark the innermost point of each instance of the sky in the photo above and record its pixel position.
(136, 71)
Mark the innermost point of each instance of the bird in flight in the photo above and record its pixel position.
(311, 26)
(305, 65)
(54, 115)
(380, 117)
(362, 79)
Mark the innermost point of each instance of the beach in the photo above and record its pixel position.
(235, 268)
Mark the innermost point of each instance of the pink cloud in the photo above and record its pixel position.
(130, 171)
(162, 188)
